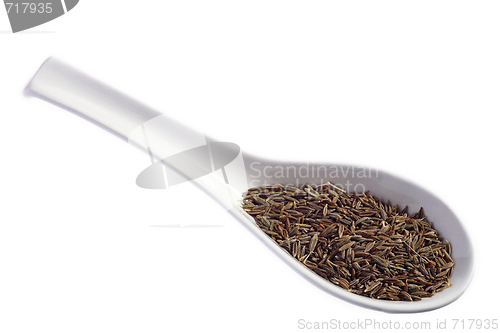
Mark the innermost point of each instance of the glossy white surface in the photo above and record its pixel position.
(87, 97)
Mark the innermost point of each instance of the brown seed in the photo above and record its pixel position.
(313, 243)
(347, 246)
(447, 265)
(372, 286)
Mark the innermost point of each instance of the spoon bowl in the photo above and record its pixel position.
(387, 187)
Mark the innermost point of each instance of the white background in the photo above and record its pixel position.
(411, 88)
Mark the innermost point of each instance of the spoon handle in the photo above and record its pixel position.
(133, 121)
(77, 92)
(187, 153)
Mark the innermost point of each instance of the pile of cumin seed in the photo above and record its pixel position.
(354, 240)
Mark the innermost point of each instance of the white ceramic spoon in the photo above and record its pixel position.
(71, 89)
